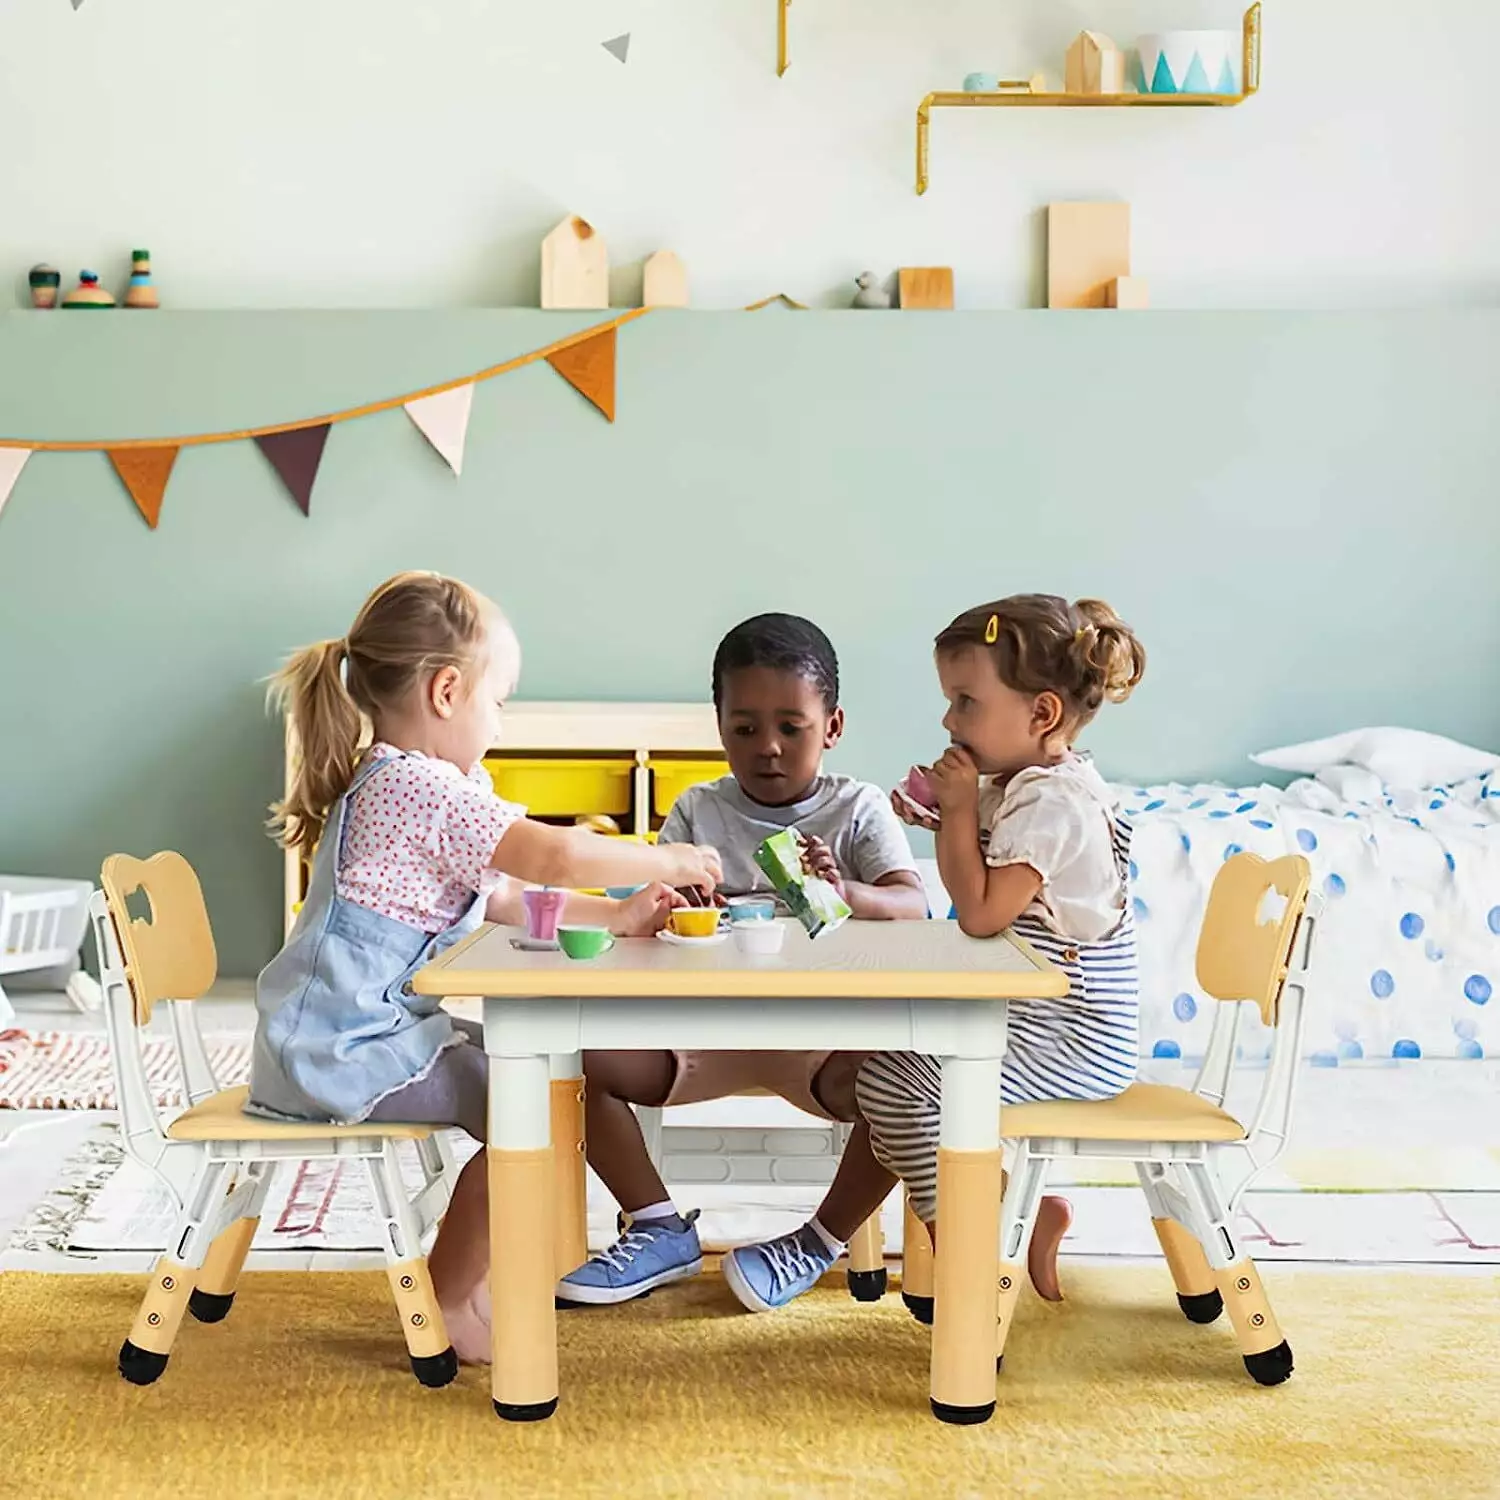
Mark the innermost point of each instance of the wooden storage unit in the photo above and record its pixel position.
(624, 761)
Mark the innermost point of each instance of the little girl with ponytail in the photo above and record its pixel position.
(411, 850)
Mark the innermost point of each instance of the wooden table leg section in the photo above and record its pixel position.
(523, 1266)
(867, 1279)
(916, 1266)
(570, 1201)
(213, 1295)
(968, 1242)
(1268, 1356)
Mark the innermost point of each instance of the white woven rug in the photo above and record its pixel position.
(71, 1070)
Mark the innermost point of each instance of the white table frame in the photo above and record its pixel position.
(836, 994)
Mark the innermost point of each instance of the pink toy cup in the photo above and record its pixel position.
(543, 909)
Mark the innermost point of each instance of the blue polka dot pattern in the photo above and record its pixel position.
(1406, 1048)
(1471, 1051)
(1494, 920)
(1382, 986)
(1324, 1059)
(1307, 841)
(1245, 807)
(1412, 925)
(1261, 823)
(1187, 844)
(1154, 806)
(1135, 870)
(1142, 911)
(1335, 886)
(1432, 951)
(1448, 860)
(1350, 1051)
(1184, 1007)
(1166, 1048)
(1230, 850)
(1218, 812)
(1193, 806)
(1466, 1029)
(1478, 989)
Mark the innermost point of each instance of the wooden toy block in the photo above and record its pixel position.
(925, 287)
(666, 282)
(1088, 246)
(1094, 66)
(575, 266)
(1131, 293)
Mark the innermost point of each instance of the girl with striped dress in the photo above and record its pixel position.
(1029, 839)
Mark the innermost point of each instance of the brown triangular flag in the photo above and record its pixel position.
(295, 455)
(589, 367)
(144, 472)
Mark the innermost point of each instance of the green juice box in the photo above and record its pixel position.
(812, 901)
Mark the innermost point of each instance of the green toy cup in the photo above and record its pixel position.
(585, 942)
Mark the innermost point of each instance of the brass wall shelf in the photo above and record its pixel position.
(1030, 99)
(782, 60)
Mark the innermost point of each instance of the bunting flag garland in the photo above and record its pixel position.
(12, 461)
(589, 368)
(144, 472)
(295, 456)
(586, 360)
(443, 420)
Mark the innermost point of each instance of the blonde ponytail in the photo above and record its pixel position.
(310, 690)
(412, 625)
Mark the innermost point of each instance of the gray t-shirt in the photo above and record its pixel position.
(852, 817)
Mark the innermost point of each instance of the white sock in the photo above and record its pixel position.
(666, 1209)
(835, 1247)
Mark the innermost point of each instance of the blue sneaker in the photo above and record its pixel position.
(646, 1256)
(770, 1275)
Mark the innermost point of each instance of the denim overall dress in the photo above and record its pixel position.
(336, 1027)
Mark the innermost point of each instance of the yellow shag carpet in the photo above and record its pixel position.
(304, 1391)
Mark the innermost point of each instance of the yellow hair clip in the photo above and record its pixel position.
(992, 631)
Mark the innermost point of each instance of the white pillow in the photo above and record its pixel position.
(1399, 757)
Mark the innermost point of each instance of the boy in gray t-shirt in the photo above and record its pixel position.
(775, 682)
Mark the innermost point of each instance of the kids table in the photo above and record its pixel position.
(869, 986)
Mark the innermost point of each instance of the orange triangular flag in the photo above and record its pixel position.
(589, 367)
(144, 472)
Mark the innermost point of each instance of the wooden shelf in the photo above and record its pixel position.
(782, 60)
(1020, 98)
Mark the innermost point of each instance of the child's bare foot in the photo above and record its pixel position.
(1053, 1219)
(468, 1324)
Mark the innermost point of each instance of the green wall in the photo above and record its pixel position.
(1298, 513)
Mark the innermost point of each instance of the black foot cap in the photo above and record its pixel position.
(140, 1366)
(435, 1370)
(1201, 1307)
(963, 1416)
(210, 1307)
(919, 1307)
(561, 1304)
(867, 1286)
(535, 1413)
(1271, 1367)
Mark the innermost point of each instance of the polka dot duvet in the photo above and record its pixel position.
(1408, 958)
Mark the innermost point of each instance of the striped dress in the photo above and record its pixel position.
(1085, 1046)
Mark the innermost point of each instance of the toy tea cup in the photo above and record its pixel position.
(585, 942)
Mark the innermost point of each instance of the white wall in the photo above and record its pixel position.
(412, 152)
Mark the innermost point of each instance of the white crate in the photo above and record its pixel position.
(42, 923)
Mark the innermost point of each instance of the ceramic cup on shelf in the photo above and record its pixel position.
(585, 942)
(1191, 62)
(543, 909)
(981, 83)
(763, 938)
(752, 909)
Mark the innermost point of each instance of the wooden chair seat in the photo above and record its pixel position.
(222, 1117)
(1144, 1112)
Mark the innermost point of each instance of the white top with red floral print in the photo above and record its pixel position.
(419, 836)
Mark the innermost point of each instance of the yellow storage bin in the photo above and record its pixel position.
(671, 778)
(563, 788)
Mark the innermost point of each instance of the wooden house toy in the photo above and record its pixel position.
(1094, 66)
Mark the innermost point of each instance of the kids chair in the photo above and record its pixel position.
(217, 1161)
(1194, 1160)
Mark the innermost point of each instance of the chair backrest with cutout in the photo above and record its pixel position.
(171, 956)
(1243, 951)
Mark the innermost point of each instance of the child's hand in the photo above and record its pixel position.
(645, 913)
(695, 865)
(817, 859)
(908, 813)
(955, 779)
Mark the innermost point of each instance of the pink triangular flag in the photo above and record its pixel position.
(443, 420)
(12, 461)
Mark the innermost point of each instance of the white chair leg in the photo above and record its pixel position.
(1018, 1210)
(218, 1278)
(650, 1121)
(1267, 1355)
(1197, 1290)
(7, 1010)
(144, 1354)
